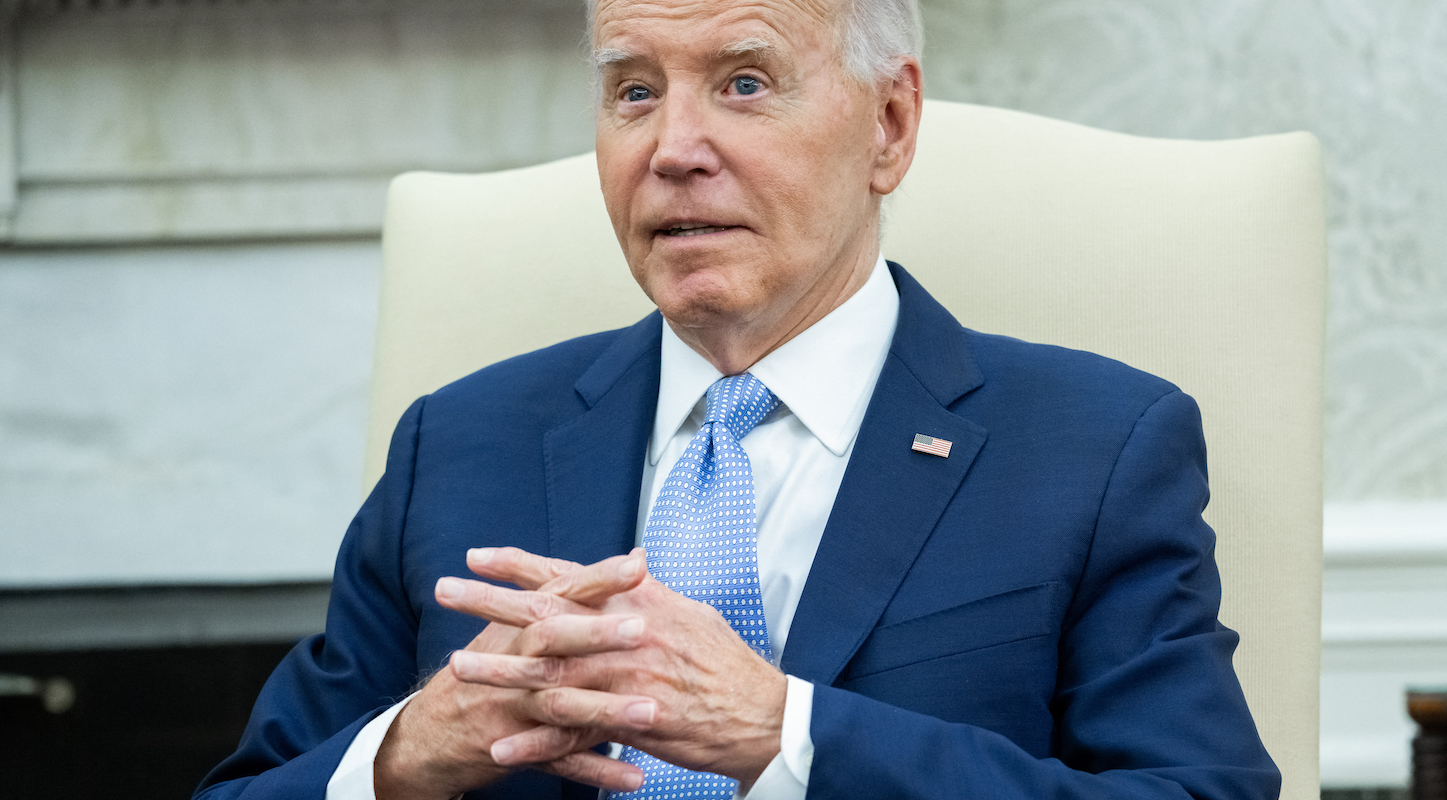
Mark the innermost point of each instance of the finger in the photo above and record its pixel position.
(498, 604)
(596, 770)
(543, 743)
(568, 707)
(517, 566)
(598, 582)
(510, 672)
(534, 670)
(580, 635)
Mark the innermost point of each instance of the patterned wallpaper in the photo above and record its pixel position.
(1369, 77)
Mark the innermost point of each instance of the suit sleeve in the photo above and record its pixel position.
(332, 684)
(1146, 702)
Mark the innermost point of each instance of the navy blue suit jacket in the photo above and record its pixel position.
(1033, 616)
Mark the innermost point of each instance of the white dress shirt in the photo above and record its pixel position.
(823, 378)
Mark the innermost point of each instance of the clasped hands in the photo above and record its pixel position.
(578, 656)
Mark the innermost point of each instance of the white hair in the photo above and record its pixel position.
(875, 34)
(872, 36)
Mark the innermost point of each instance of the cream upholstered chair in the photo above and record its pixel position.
(1202, 262)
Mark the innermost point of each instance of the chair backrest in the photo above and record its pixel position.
(1202, 262)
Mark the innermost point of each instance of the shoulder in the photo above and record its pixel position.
(1059, 399)
(548, 382)
(1021, 378)
(1051, 371)
(527, 378)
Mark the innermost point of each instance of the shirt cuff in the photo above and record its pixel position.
(787, 776)
(353, 778)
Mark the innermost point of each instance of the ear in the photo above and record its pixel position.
(900, 103)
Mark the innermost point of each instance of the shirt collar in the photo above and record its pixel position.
(825, 375)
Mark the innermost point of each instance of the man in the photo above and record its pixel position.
(885, 556)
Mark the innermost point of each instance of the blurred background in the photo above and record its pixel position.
(190, 205)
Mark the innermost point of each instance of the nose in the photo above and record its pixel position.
(683, 143)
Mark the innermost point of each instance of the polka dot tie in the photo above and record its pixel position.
(702, 542)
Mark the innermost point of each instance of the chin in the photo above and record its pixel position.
(698, 298)
(699, 312)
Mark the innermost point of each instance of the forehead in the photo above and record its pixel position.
(698, 25)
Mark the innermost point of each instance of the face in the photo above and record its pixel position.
(740, 166)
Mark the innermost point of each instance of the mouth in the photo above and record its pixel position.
(693, 229)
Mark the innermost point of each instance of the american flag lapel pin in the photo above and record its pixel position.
(931, 445)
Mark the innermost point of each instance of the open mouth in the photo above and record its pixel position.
(693, 229)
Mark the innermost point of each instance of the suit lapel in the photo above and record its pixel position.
(891, 496)
(594, 463)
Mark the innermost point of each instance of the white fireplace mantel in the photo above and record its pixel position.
(1383, 628)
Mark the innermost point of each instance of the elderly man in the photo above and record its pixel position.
(881, 555)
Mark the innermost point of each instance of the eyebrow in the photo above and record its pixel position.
(604, 57)
(608, 56)
(752, 46)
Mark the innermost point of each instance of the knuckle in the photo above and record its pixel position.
(562, 584)
(561, 741)
(586, 768)
(550, 671)
(597, 635)
(544, 637)
(499, 670)
(553, 704)
(541, 605)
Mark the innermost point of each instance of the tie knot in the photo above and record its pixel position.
(739, 402)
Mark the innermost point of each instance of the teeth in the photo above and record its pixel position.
(693, 229)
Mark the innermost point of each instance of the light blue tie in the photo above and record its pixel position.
(702, 542)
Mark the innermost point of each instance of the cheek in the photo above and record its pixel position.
(622, 152)
(827, 165)
(789, 180)
(618, 182)
(813, 189)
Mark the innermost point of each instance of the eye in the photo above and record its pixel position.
(746, 85)
(636, 94)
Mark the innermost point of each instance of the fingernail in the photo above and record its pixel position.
(480, 555)
(502, 752)
(633, 782)
(628, 568)
(450, 588)
(631, 630)
(640, 713)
